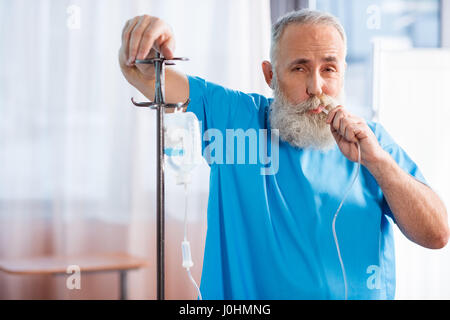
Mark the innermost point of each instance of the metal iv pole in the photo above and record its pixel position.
(159, 104)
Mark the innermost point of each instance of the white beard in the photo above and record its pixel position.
(298, 127)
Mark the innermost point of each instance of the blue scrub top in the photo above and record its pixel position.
(270, 236)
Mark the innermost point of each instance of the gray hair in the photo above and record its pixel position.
(304, 16)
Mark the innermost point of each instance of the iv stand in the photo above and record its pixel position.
(159, 104)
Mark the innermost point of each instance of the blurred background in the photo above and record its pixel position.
(77, 161)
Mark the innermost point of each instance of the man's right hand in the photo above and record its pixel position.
(142, 36)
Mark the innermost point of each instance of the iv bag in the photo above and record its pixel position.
(182, 144)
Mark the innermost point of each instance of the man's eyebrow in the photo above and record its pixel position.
(306, 61)
(299, 61)
(329, 59)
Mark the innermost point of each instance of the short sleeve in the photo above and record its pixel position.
(399, 155)
(220, 108)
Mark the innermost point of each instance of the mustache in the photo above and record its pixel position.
(314, 102)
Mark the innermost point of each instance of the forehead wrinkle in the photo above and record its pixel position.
(326, 48)
(311, 40)
(319, 55)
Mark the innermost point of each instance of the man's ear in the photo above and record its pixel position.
(268, 73)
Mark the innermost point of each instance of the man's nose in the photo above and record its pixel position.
(315, 84)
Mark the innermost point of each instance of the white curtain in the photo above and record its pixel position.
(77, 161)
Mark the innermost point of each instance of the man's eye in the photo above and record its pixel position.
(298, 69)
(330, 70)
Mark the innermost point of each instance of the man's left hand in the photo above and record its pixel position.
(347, 129)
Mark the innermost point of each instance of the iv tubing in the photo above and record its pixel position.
(334, 221)
(186, 241)
(333, 226)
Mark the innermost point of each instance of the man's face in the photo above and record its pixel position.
(311, 61)
(309, 73)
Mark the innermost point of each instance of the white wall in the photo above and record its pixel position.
(413, 107)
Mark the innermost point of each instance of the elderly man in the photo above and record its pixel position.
(272, 236)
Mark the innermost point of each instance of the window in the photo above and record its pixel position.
(400, 23)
